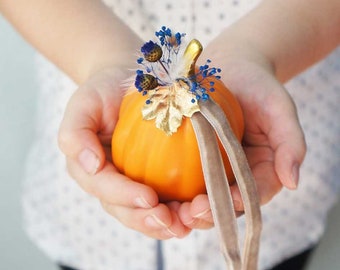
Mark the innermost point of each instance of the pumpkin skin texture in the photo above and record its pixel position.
(171, 165)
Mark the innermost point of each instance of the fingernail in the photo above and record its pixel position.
(295, 175)
(142, 203)
(89, 161)
(154, 222)
(170, 232)
(203, 213)
(190, 222)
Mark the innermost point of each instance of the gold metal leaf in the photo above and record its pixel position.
(169, 104)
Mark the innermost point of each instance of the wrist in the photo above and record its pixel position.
(234, 53)
(121, 66)
(112, 55)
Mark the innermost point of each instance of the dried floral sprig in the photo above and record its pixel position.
(160, 62)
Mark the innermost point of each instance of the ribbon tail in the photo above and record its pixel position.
(245, 181)
(218, 191)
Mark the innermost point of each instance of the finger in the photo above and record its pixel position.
(78, 131)
(287, 139)
(159, 222)
(196, 214)
(177, 226)
(112, 187)
(267, 181)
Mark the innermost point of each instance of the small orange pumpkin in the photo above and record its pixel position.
(171, 165)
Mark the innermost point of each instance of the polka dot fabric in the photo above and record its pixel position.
(71, 227)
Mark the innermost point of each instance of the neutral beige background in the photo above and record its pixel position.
(17, 109)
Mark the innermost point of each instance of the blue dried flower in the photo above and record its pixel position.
(145, 82)
(152, 51)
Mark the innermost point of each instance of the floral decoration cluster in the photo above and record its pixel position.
(159, 62)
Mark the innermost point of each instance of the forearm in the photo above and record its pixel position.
(291, 34)
(79, 36)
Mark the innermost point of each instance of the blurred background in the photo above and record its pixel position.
(17, 112)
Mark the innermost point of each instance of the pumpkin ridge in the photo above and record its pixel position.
(153, 162)
(136, 139)
(117, 148)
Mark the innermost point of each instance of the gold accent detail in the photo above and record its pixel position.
(191, 54)
(169, 104)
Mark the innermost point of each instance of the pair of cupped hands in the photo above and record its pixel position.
(273, 142)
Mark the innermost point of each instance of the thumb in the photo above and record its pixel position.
(77, 137)
(288, 140)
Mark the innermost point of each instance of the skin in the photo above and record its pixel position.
(257, 54)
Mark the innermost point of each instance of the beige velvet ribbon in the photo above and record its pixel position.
(209, 124)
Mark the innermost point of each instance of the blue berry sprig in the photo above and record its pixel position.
(205, 73)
